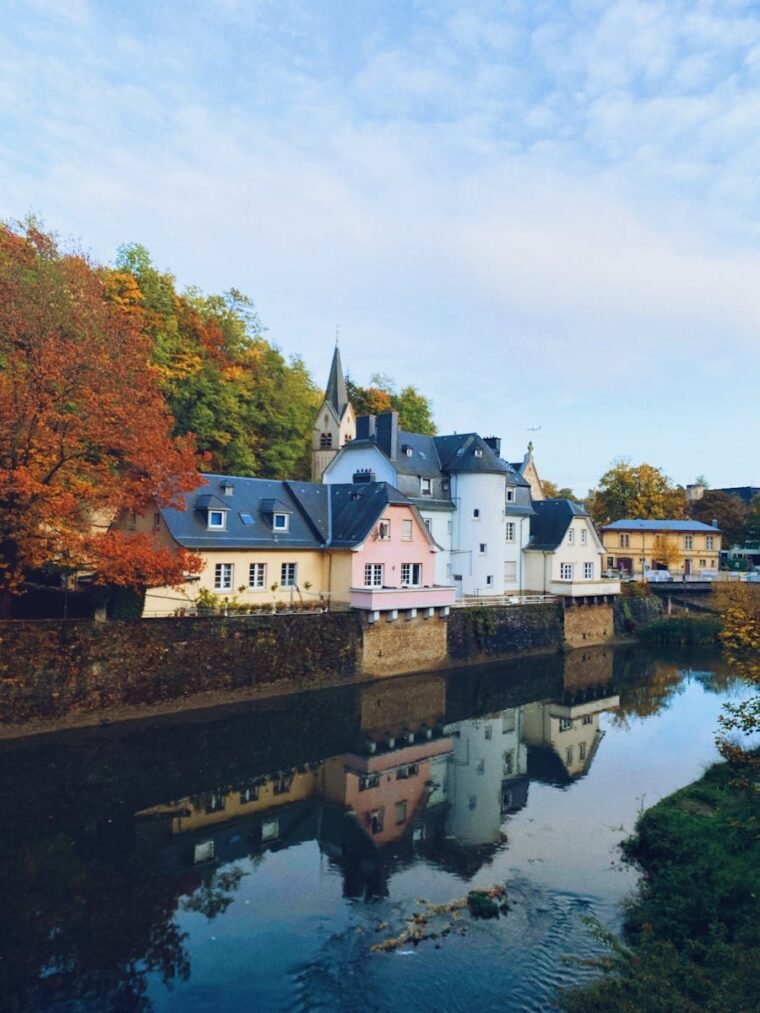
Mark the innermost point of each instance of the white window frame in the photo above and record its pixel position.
(280, 522)
(216, 526)
(588, 571)
(710, 542)
(511, 531)
(426, 487)
(565, 571)
(571, 536)
(584, 536)
(411, 574)
(288, 574)
(688, 541)
(223, 576)
(373, 574)
(510, 497)
(407, 530)
(384, 530)
(257, 576)
(483, 548)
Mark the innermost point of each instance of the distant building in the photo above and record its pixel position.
(637, 547)
(335, 424)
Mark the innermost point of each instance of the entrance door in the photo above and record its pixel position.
(686, 567)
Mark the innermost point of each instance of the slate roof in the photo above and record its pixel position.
(336, 393)
(423, 460)
(550, 522)
(320, 516)
(636, 524)
(468, 452)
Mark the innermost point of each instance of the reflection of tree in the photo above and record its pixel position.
(87, 925)
(648, 691)
(214, 896)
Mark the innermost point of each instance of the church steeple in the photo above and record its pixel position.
(335, 392)
(335, 424)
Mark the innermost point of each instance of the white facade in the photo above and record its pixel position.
(486, 552)
(573, 568)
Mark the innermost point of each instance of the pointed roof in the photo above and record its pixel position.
(335, 392)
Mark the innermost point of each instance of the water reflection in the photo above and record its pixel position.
(115, 834)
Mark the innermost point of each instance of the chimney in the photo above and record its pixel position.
(494, 442)
(387, 434)
(714, 522)
(365, 427)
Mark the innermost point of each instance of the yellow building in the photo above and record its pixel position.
(640, 548)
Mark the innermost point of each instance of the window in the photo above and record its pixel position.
(407, 771)
(449, 527)
(487, 732)
(565, 724)
(373, 574)
(368, 781)
(401, 812)
(587, 719)
(157, 524)
(215, 803)
(426, 487)
(288, 574)
(246, 519)
(280, 522)
(325, 441)
(703, 563)
(445, 485)
(476, 514)
(480, 766)
(249, 793)
(510, 570)
(571, 536)
(411, 574)
(203, 852)
(223, 577)
(569, 755)
(709, 542)
(216, 518)
(478, 452)
(282, 784)
(406, 531)
(688, 541)
(489, 580)
(270, 830)
(584, 536)
(510, 531)
(384, 530)
(625, 541)
(565, 571)
(257, 576)
(376, 820)
(588, 571)
(581, 750)
(509, 762)
(483, 548)
(610, 562)
(510, 495)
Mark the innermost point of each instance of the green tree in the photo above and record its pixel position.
(752, 521)
(729, 511)
(552, 491)
(635, 491)
(414, 409)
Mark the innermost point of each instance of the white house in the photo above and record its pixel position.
(565, 554)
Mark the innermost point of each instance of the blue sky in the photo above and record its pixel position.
(543, 214)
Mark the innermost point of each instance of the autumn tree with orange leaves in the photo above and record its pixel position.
(84, 430)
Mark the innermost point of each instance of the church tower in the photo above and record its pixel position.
(336, 422)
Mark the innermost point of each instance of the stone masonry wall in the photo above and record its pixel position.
(588, 624)
(51, 669)
(485, 631)
(404, 645)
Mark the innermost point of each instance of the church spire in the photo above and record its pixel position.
(336, 393)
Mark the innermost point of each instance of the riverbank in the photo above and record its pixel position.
(693, 930)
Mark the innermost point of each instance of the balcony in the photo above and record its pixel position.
(393, 599)
(580, 588)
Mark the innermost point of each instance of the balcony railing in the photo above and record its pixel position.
(387, 599)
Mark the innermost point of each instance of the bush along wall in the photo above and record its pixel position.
(635, 608)
(686, 630)
(48, 670)
(486, 631)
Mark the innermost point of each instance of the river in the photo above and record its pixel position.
(252, 857)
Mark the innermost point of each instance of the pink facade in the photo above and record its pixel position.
(401, 546)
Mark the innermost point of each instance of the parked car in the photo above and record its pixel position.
(657, 576)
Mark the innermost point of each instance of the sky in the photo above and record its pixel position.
(545, 215)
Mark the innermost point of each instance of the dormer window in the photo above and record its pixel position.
(426, 486)
(280, 522)
(477, 452)
(407, 450)
(510, 495)
(217, 520)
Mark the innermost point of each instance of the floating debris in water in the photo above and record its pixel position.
(487, 902)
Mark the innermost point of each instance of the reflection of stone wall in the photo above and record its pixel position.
(586, 669)
(393, 705)
(404, 645)
(588, 624)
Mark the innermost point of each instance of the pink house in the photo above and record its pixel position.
(391, 565)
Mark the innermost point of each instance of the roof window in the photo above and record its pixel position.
(217, 519)
(280, 522)
(246, 518)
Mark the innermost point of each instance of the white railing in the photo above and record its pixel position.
(505, 599)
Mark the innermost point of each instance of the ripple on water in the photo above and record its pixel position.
(516, 963)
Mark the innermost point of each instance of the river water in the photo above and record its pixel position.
(250, 859)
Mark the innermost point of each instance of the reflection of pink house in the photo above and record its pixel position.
(391, 565)
(384, 791)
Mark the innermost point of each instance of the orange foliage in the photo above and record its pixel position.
(83, 426)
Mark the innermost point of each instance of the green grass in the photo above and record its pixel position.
(693, 930)
(682, 630)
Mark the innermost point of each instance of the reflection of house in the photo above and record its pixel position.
(639, 546)
(485, 777)
(563, 735)
(265, 541)
(386, 790)
(565, 554)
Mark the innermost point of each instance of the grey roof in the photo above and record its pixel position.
(469, 452)
(320, 516)
(423, 459)
(209, 501)
(335, 391)
(551, 520)
(636, 524)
